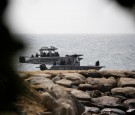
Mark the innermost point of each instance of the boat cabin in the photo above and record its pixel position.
(48, 51)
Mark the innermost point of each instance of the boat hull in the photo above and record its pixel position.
(70, 67)
(48, 60)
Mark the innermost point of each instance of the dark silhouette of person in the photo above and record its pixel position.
(10, 83)
(43, 67)
(62, 62)
(97, 63)
(44, 54)
(37, 55)
(32, 56)
(54, 63)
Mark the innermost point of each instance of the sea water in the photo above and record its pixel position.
(115, 52)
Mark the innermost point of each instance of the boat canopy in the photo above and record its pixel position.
(51, 48)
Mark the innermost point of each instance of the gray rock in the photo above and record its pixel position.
(92, 109)
(130, 74)
(126, 82)
(81, 95)
(44, 113)
(43, 75)
(64, 82)
(94, 93)
(56, 78)
(126, 91)
(75, 77)
(38, 80)
(61, 103)
(85, 87)
(106, 101)
(102, 84)
(131, 111)
(112, 73)
(92, 73)
(130, 103)
(112, 111)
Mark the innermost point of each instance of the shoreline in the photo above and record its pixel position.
(83, 92)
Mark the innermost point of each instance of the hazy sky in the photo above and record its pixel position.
(68, 16)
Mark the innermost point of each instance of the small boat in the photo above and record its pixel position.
(50, 56)
(72, 63)
(71, 67)
(47, 55)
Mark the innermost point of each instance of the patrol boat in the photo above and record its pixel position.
(47, 55)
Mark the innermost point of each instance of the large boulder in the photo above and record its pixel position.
(112, 73)
(130, 103)
(85, 87)
(41, 84)
(103, 84)
(91, 73)
(112, 111)
(38, 80)
(61, 103)
(75, 77)
(126, 82)
(50, 76)
(81, 95)
(130, 74)
(125, 91)
(64, 82)
(106, 101)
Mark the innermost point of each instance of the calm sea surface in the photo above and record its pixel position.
(116, 52)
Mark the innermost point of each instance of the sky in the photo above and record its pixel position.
(68, 17)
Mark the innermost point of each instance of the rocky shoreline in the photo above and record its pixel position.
(84, 92)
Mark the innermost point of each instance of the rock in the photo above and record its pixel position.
(130, 74)
(130, 103)
(64, 82)
(56, 78)
(92, 73)
(120, 97)
(85, 87)
(22, 75)
(92, 109)
(80, 94)
(126, 91)
(38, 80)
(112, 73)
(44, 87)
(61, 103)
(49, 76)
(131, 111)
(112, 111)
(87, 103)
(106, 101)
(44, 113)
(126, 82)
(75, 78)
(94, 93)
(102, 84)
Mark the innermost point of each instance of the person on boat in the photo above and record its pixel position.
(57, 54)
(44, 54)
(97, 63)
(37, 55)
(32, 56)
(62, 62)
(22, 59)
(69, 61)
(54, 63)
(43, 67)
(48, 54)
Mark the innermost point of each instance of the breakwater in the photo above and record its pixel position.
(84, 92)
